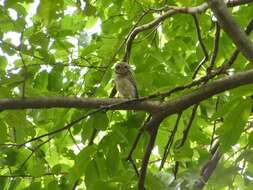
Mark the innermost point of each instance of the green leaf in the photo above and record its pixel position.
(102, 167)
(41, 80)
(89, 9)
(184, 153)
(5, 92)
(245, 90)
(20, 126)
(234, 123)
(154, 182)
(251, 139)
(55, 78)
(246, 155)
(58, 168)
(3, 132)
(34, 186)
(98, 121)
(92, 175)
(3, 62)
(70, 24)
(81, 162)
(10, 156)
(21, 10)
(87, 132)
(91, 22)
(48, 10)
(70, 48)
(113, 160)
(105, 186)
(36, 167)
(40, 39)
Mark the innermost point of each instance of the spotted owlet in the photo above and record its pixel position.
(125, 83)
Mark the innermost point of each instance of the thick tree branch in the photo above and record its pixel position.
(74, 102)
(235, 54)
(232, 3)
(206, 91)
(175, 105)
(232, 28)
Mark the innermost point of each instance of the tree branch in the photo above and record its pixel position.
(202, 45)
(208, 170)
(30, 176)
(175, 105)
(206, 91)
(189, 125)
(138, 138)
(152, 127)
(232, 3)
(169, 11)
(185, 135)
(215, 49)
(170, 142)
(74, 102)
(232, 28)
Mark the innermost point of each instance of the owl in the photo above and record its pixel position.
(124, 80)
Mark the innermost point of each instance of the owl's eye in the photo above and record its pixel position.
(125, 66)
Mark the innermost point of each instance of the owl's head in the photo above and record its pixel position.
(122, 68)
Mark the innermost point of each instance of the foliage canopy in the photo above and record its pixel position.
(68, 48)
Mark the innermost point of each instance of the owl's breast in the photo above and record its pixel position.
(125, 87)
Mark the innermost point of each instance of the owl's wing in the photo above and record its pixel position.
(132, 80)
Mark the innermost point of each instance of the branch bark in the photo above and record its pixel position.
(232, 28)
(208, 170)
(206, 91)
(74, 102)
(152, 128)
(166, 108)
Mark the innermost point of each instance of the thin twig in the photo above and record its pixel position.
(215, 48)
(129, 157)
(73, 139)
(170, 142)
(30, 176)
(137, 138)
(134, 166)
(202, 45)
(189, 125)
(34, 150)
(68, 126)
(214, 124)
(24, 66)
(185, 135)
(93, 135)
